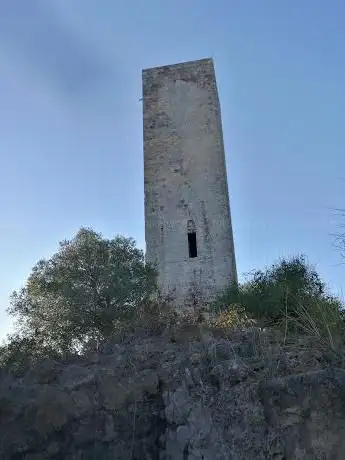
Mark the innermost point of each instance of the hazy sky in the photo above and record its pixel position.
(71, 127)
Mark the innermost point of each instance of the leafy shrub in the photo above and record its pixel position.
(232, 317)
(291, 294)
(83, 291)
(21, 352)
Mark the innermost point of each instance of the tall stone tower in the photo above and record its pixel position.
(187, 215)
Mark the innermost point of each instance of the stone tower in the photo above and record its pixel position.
(187, 214)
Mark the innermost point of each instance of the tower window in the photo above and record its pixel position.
(193, 251)
(191, 232)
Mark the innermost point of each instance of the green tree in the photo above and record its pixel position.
(82, 290)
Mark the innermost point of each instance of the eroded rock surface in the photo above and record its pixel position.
(243, 396)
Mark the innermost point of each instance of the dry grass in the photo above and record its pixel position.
(314, 341)
(323, 324)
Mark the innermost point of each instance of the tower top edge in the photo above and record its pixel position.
(179, 65)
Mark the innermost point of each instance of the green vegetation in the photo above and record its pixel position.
(289, 295)
(94, 289)
(81, 292)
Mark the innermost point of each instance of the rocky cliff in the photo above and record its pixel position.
(191, 395)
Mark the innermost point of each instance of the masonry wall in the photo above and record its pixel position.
(185, 180)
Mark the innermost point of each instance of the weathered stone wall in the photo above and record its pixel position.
(185, 179)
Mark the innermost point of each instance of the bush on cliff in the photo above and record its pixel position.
(290, 293)
(82, 291)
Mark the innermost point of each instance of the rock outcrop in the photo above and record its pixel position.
(192, 396)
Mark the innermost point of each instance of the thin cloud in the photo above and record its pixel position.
(34, 33)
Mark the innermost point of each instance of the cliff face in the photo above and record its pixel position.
(244, 395)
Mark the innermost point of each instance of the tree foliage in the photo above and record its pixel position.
(78, 294)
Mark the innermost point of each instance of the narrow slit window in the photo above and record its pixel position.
(193, 250)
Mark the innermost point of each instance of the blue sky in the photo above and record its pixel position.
(71, 127)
